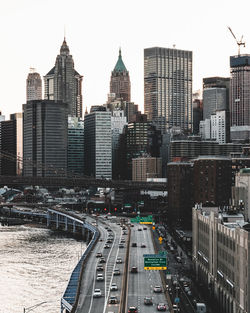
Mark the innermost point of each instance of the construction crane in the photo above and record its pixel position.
(239, 42)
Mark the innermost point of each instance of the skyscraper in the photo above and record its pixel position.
(33, 86)
(240, 90)
(45, 133)
(64, 83)
(120, 81)
(98, 143)
(168, 87)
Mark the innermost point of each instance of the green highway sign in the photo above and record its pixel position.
(142, 219)
(155, 262)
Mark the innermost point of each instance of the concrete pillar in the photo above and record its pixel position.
(57, 221)
(66, 223)
(48, 218)
(74, 226)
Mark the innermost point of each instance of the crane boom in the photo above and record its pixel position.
(239, 42)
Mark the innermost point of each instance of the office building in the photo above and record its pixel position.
(98, 143)
(33, 86)
(120, 81)
(240, 90)
(221, 249)
(118, 122)
(168, 88)
(215, 95)
(146, 167)
(45, 133)
(64, 83)
(75, 146)
(218, 127)
(212, 180)
(180, 193)
(197, 115)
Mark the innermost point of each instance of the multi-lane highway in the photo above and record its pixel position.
(102, 283)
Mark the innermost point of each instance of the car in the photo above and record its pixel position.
(157, 289)
(144, 228)
(161, 307)
(134, 244)
(175, 308)
(99, 277)
(121, 245)
(109, 241)
(109, 230)
(132, 309)
(178, 259)
(123, 240)
(143, 245)
(139, 229)
(134, 269)
(102, 260)
(97, 293)
(124, 233)
(98, 254)
(106, 246)
(113, 287)
(119, 260)
(99, 268)
(132, 225)
(116, 272)
(100, 239)
(113, 300)
(148, 301)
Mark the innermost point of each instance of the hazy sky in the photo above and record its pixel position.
(31, 33)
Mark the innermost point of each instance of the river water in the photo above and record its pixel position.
(35, 265)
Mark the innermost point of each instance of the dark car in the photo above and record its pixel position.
(99, 268)
(98, 254)
(132, 309)
(113, 300)
(143, 245)
(148, 301)
(109, 241)
(134, 244)
(134, 269)
(102, 260)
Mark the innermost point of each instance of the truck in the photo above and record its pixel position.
(201, 308)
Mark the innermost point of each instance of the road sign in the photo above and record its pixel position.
(142, 219)
(177, 300)
(155, 262)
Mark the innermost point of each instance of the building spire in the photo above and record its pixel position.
(120, 67)
(64, 48)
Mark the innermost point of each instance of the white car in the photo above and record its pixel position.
(99, 277)
(113, 287)
(97, 293)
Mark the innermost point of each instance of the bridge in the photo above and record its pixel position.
(82, 182)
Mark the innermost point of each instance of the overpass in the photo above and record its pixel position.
(82, 182)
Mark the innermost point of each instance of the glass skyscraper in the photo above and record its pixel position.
(168, 88)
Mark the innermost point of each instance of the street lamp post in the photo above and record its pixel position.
(26, 310)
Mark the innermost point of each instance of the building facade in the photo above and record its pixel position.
(144, 168)
(64, 83)
(98, 143)
(75, 146)
(221, 244)
(120, 81)
(240, 90)
(33, 86)
(168, 88)
(45, 138)
(212, 180)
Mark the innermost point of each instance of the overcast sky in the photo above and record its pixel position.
(31, 33)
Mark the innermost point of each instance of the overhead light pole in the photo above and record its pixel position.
(26, 310)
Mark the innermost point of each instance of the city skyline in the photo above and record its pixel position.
(94, 40)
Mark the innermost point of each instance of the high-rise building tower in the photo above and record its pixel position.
(168, 88)
(33, 86)
(45, 138)
(120, 81)
(240, 90)
(64, 83)
(98, 143)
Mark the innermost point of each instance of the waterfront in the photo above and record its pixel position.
(35, 265)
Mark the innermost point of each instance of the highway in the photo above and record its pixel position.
(141, 284)
(87, 303)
